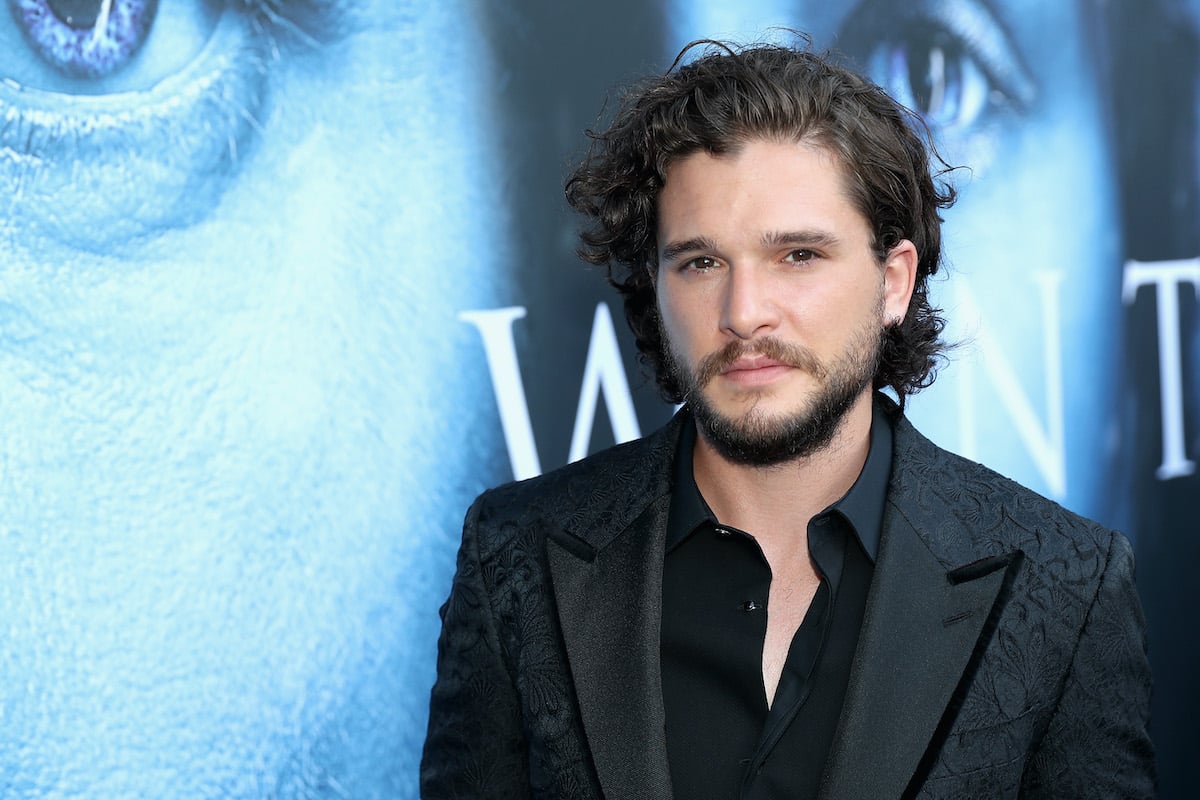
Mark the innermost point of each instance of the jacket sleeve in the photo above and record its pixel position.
(1097, 744)
(475, 747)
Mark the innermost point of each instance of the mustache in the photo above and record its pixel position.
(793, 355)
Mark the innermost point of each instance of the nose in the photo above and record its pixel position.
(749, 307)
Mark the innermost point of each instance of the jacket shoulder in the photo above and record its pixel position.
(1061, 694)
(605, 491)
(999, 514)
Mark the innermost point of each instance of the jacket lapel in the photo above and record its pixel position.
(928, 620)
(607, 578)
(921, 637)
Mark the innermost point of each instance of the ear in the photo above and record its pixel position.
(899, 278)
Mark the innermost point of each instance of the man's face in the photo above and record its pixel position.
(772, 300)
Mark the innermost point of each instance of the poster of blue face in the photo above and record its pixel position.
(285, 283)
(236, 406)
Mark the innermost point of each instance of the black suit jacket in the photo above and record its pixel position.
(1002, 654)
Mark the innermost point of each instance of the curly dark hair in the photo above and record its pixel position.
(715, 103)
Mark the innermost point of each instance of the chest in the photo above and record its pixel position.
(789, 598)
(755, 657)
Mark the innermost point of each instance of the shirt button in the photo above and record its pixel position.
(749, 605)
(722, 533)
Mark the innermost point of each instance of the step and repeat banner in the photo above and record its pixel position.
(285, 284)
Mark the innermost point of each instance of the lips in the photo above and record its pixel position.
(753, 371)
(757, 363)
(750, 363)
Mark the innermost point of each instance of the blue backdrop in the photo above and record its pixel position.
(283, 285)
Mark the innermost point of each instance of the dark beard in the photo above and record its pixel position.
(760, 441)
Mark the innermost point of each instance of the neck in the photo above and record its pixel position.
(784, 497)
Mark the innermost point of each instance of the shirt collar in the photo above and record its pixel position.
(688, 510)
(862, 506)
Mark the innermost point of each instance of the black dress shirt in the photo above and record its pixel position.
(722, 739)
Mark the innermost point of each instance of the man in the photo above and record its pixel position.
(787, 591)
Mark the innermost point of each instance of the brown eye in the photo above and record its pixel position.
(800, 256)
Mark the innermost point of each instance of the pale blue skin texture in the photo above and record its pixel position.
(239, 420)
(1039, 198)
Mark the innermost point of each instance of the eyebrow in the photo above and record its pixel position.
(675, 249)
(807, 238)
(811, 238)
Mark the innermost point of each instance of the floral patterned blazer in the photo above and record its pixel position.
(1002, 654)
